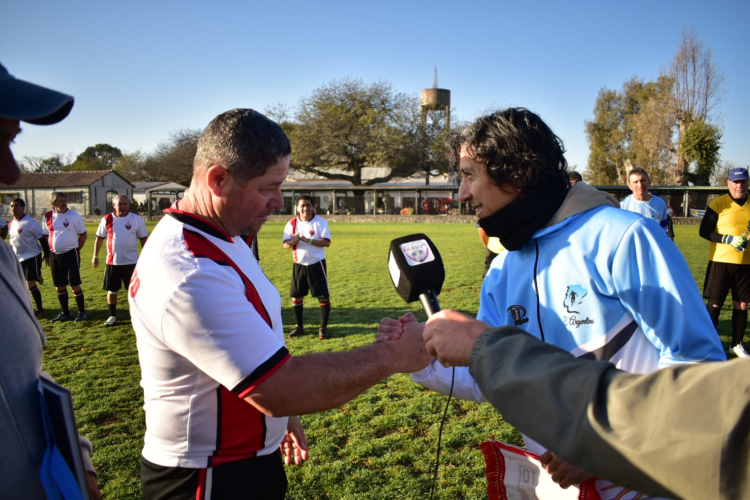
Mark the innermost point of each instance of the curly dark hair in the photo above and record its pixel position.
(517, 147)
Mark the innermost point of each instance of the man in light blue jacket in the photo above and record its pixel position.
(578, 273)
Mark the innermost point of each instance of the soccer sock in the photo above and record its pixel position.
(112, 309)
(325, 309)
(79, 300)
(37, 297)
(297, 308)
(63, 298)
(714, 312)
(739, 325)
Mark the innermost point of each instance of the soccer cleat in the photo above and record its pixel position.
(297, 332)
(39, 313)
(740, 351)
(110, 321)
(323, 333)
(63, 316)
(81, 316)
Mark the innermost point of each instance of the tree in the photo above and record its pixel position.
(348, 125)
(56, 162)
(173, 159)
(698, 88)
(700, 145)
(99, 157)
(132, 166)
(631, 127)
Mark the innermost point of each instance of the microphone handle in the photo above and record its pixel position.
(429, 302)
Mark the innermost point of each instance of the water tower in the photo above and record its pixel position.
(436, 99)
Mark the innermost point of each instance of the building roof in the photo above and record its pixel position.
(59, 179)
(142, 186)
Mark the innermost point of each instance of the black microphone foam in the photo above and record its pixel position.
(416, 267)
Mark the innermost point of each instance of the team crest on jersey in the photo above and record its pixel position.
(574, 297)
(128, 226)
(19, 229)
(519, 315)
(66, 223)
(312, 233)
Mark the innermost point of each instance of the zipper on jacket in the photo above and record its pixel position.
(536, 289)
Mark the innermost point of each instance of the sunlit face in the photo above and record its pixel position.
(17, 209)
(305, 210)
(738, 189)
(60, 205)
(9, 171)
(246, 208)
(477, 187)
(639, 184)
(122, 206)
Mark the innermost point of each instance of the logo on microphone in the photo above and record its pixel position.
(417, 252)
(519, 315)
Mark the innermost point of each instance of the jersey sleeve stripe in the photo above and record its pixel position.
(260, 374)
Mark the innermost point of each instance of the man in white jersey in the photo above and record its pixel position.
(25, 237)
(221, 391)
(307, 235)
(67, 235)
(642, 202)
(121, 230)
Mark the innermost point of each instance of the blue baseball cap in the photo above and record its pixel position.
(25, 101)
(738, 174)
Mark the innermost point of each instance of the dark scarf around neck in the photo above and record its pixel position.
(517, 222)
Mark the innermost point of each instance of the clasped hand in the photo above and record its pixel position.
(448, 335)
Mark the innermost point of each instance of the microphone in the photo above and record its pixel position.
(417, 270)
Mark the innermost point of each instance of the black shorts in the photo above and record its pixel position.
(66, 268)
(310, 278)
(253, 478)
(721, 278)
(32, 268)
(114, 276)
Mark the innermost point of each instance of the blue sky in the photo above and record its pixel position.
(141, 70)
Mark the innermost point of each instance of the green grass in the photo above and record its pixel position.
(380, 445)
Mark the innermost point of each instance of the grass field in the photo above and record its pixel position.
(382, 444)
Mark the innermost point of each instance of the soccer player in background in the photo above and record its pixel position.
(122, 229)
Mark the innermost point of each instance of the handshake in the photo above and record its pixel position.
(448, 335)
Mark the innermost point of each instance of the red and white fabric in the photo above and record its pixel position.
(63, 230)
(316, 229)
(208, 330)
(24, 237)
(513, 472)
(122, 235)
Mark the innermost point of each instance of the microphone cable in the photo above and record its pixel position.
(440, 435)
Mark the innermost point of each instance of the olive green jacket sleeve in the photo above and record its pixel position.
(680, 432)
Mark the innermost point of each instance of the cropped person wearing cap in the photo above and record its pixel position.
(27, 471)
(725, 224)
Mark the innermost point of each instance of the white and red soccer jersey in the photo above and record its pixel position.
(63, 230)
(208, 329)
(316, 229)
(24, 237)
(122, 235)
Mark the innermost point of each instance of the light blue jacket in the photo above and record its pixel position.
(601, 283)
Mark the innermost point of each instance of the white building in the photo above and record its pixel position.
(88, 192)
